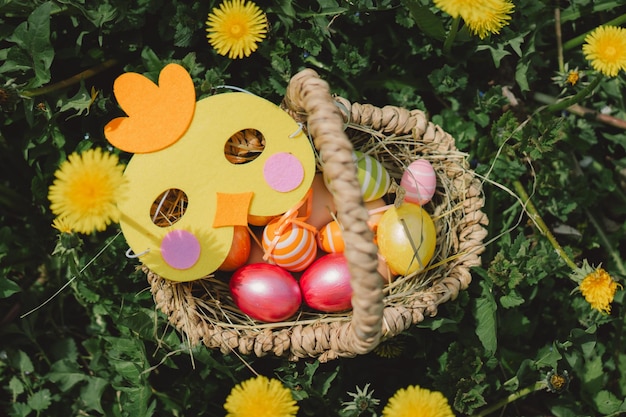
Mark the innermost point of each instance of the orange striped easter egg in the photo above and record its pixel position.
(329, 238)
(294, 249)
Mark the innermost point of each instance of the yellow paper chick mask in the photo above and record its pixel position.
(220, 194)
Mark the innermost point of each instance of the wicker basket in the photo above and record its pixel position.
(204, 312)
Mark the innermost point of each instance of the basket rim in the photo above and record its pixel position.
(342, 335)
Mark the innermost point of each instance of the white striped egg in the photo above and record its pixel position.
(373, 176)
(296, 246)
(419, 181)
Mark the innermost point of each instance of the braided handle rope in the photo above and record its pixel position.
(309, 95)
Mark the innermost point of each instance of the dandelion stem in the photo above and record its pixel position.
(533, 213)
(454, 28)
(565, 103)
(559, 38)
(75, 79)
(513, 397)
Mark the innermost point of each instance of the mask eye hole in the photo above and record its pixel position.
(244, 146)
(169, 207)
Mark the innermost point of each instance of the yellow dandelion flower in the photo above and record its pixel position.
(605, 47)
(62, 225)
(416, 401)
(86, 190)
(260, 397)
(572, 77)
(599, 289)
(235, 28)
(482, 17)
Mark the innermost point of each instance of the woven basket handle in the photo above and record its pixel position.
(309, 100)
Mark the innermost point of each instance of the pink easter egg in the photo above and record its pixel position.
(265, 292)
(296, 246)
(419, 181)
(326, 285)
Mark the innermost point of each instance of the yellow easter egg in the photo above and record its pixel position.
(406, 238)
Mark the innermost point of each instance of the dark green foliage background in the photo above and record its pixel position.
(100, 348)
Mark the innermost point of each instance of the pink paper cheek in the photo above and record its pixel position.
(180, 249)
(283, 172)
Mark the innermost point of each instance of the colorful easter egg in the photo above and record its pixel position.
(265, 292)
(325, 284)
(293, 248)
(372, 175)
(329, 238)
(406, 238)
(419, 181)
(385, 272)
(375, 209)
(239, 250)
(323, 205)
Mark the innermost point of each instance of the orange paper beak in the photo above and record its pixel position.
(232, 209)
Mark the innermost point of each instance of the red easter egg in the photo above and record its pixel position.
(325, 284)
(239, 250)
(329, 238)
(419, 181)
(295, 249)
(265, 292)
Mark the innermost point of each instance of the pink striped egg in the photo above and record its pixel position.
(419, 181)
(296, 248)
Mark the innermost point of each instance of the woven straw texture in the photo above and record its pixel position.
(203, 310)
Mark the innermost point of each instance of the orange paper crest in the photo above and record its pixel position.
(157, 115)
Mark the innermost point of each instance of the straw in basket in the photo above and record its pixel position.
(204, 311)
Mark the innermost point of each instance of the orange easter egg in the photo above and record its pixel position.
(256, 249)
(259, 220)
(323, 206)
(385, 272)
(330, 239)
(295, 248)
(375, 210)
(239, 250)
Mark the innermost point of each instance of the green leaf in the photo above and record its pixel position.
(511, 300)
(22, 362)
(16, 386)
(485, 314)
(586, 339)
(548, 357)
(136, 401)
(40, 400)
(496, 53)
(91, 394)
(521, 76)
(81, 102)
(426, 20)
(65, 373)
(20, 410)
(607, 402)
(33, 37)
(8, 287)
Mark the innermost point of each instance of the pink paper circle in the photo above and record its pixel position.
(180, 249)
(283, 172)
